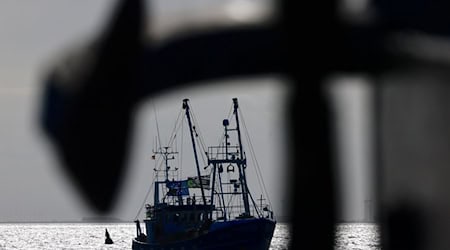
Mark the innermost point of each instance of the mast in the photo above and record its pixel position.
(167, 155)
(186, 107)
(241, 165)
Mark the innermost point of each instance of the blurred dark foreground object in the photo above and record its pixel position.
(91, 96)
(90, 99)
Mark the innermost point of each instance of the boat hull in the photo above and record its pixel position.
(254, 234)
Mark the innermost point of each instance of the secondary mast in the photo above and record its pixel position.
(241, 165)
(228, 154)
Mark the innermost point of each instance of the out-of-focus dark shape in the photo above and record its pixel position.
(312, 44)
(89, 100)
(406, 227)
(414, 129)
(420, 15)
(410, 67)
(90, 97)
(413, 125)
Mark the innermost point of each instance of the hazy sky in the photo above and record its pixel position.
(33, 35)
(351, 100)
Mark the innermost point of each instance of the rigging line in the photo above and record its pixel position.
(154, 146)
(221, 196)
(254, 157)
(259, 177)
(258, 171)
(199, 137)
(175, 127)
(198, 130)
(157, 125)
(180, 124)
(259, 174)
(202, 141)
(254, 203)
(145, 199)
(218, 200)
(229, 202)
(174, 134)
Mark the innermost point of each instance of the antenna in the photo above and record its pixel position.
(167, 155)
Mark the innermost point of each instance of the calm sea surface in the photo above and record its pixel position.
(88, 236)
(361, 236)
(349, 236)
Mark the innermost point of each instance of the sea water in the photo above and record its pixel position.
(89, 236)
(349, 236)
(361, 236)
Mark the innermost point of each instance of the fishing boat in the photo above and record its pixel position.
(224, 215)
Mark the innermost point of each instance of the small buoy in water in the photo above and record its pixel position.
(108, 239)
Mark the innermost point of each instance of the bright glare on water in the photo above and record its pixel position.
(361, 236)
(349, 236)
(88, 236)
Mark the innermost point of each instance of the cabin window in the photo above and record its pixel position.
(176, 217)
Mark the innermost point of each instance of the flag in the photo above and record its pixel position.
(177, 188)
(193, 182)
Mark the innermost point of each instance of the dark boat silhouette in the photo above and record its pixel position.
(225, 216)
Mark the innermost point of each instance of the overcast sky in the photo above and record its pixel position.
(34, 34)
(351, 100)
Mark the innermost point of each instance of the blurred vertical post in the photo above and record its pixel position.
(310, 52)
